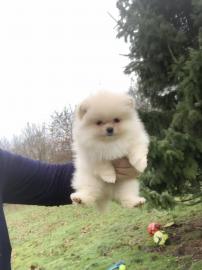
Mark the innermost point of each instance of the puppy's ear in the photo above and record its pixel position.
(130, 101)
(82, 109)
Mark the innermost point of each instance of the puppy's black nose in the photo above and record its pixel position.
(110, 130)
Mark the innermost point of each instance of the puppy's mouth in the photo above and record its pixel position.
(109, 135)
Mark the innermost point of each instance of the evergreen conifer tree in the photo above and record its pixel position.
(166, 54)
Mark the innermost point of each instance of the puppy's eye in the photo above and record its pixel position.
(99, 123)
(116, 120)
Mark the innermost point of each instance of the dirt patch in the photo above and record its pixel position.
(185, 238)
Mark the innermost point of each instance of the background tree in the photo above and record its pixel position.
(5, 144)
(33, 142)
(61, 134)
(46, 142)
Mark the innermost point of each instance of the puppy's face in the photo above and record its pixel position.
(106, 116)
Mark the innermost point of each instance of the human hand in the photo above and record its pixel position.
(124, 170)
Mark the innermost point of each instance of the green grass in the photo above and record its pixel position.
(76, 238)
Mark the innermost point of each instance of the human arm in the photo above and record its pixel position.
(27, 181)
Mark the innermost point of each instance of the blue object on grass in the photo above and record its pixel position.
(117, 265)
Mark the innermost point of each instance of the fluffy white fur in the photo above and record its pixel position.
(94, 148)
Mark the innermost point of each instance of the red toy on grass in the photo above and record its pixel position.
(153, 227)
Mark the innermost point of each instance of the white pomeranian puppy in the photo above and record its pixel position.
(107, 127)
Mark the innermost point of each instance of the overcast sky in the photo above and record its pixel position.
(54, 53)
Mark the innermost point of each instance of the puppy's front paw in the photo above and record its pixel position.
(109, 178)
(75, 198)
(139, 164)
(106, 172)
(82, 198)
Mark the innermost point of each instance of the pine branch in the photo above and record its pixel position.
(172, 54)
(112, 17)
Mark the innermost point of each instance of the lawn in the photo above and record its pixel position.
(77, 238)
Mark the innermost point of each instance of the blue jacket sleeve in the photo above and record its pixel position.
(27, 181)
